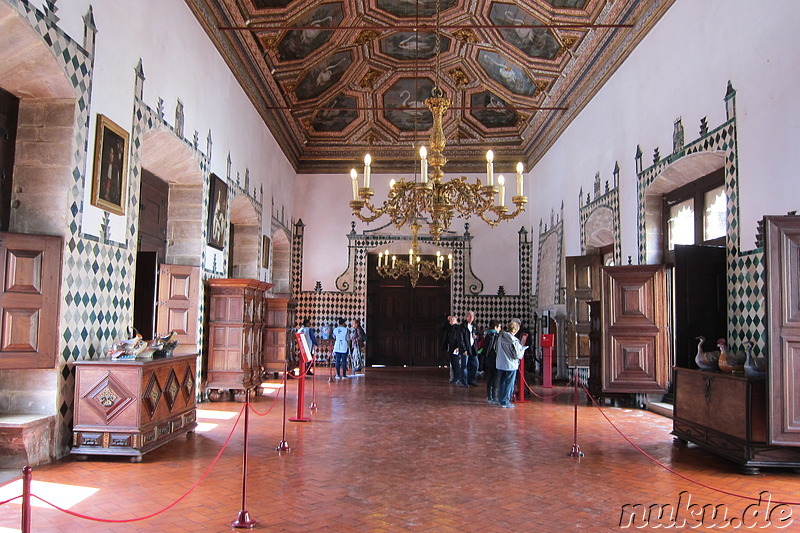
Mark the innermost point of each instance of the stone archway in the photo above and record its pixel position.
(281, 261)
(685, 170)
(42, 176)
(245, 237)
(173, 161)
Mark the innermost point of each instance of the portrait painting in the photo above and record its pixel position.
(264, 251)
(217, 212)
(110, 173)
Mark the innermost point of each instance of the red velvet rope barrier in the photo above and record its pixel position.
(11, 499)
(271, 407)
(556, 393)
(168, 507)
(670, 470)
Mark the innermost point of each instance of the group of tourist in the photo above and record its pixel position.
(501, 351)
(345, 341)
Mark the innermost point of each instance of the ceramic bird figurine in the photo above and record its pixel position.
(706, 360)
(754, 367)
(728, 362)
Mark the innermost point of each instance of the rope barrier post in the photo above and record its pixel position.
(576, 450)
(283, 446)
(243, 520)
(313, 384)
(546, 342)
(521, 393)
(27, 474)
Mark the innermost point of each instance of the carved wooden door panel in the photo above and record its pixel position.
(178, 306)
(583, 287)
(782, 255)
(30, 271)
(635, 354)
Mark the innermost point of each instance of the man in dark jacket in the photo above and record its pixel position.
(465, 342)
(450, 348)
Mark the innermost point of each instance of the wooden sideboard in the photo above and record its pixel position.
(728, 416)
(237, 315)
(130, 407)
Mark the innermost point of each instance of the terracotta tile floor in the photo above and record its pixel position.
(401, 450)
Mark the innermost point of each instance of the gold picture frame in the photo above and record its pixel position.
(110, 172)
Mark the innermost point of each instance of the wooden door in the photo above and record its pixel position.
(9, 112)
(30, 272)
(403, 322)
(583, 287)
(700, 300)
(635, 352)
(782, 255)
(178, 305)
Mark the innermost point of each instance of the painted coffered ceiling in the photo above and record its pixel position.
(334, 79)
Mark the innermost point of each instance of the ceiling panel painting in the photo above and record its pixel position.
(506, 73)
(405, 107)
(492, 111)
(332, 78)
(298, 44)
(408, 45)
(323, 76)
(530, 40)
(337, 114)
(409, 8)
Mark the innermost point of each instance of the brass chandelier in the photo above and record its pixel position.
(416, 266)
(432, 197)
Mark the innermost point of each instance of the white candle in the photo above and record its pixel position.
(394, 258)
(423, 155)
(489, 168)
(367, 163)
(520, 168)
(502, 182)
(380, 258)
(391, 183)
(354, 177)
(450, 261)
(411, 256)
(438, 259)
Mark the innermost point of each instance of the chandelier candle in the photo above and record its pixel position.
(367, 163)
(354, 176)
(423, 155)
(490, 168)
(501, 181)
(520, 168)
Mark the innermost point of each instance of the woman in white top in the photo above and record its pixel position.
(340, 349)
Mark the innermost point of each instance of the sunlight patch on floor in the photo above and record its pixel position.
(64, 496)
(216, 415)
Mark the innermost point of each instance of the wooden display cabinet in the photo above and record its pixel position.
(237, 313)
(130, 407)
(278, 340)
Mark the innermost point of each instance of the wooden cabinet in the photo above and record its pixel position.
(278, 340)
(728, 416)
(237, 313)
(133, 406)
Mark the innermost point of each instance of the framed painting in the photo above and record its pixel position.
(264, 251)
(110, 173)
(217, 212)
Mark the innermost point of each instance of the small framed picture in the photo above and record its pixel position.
(217, 212)
(110, 174)
(264, 251)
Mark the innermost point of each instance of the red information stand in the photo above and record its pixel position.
(305, 359)
(546, 342)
